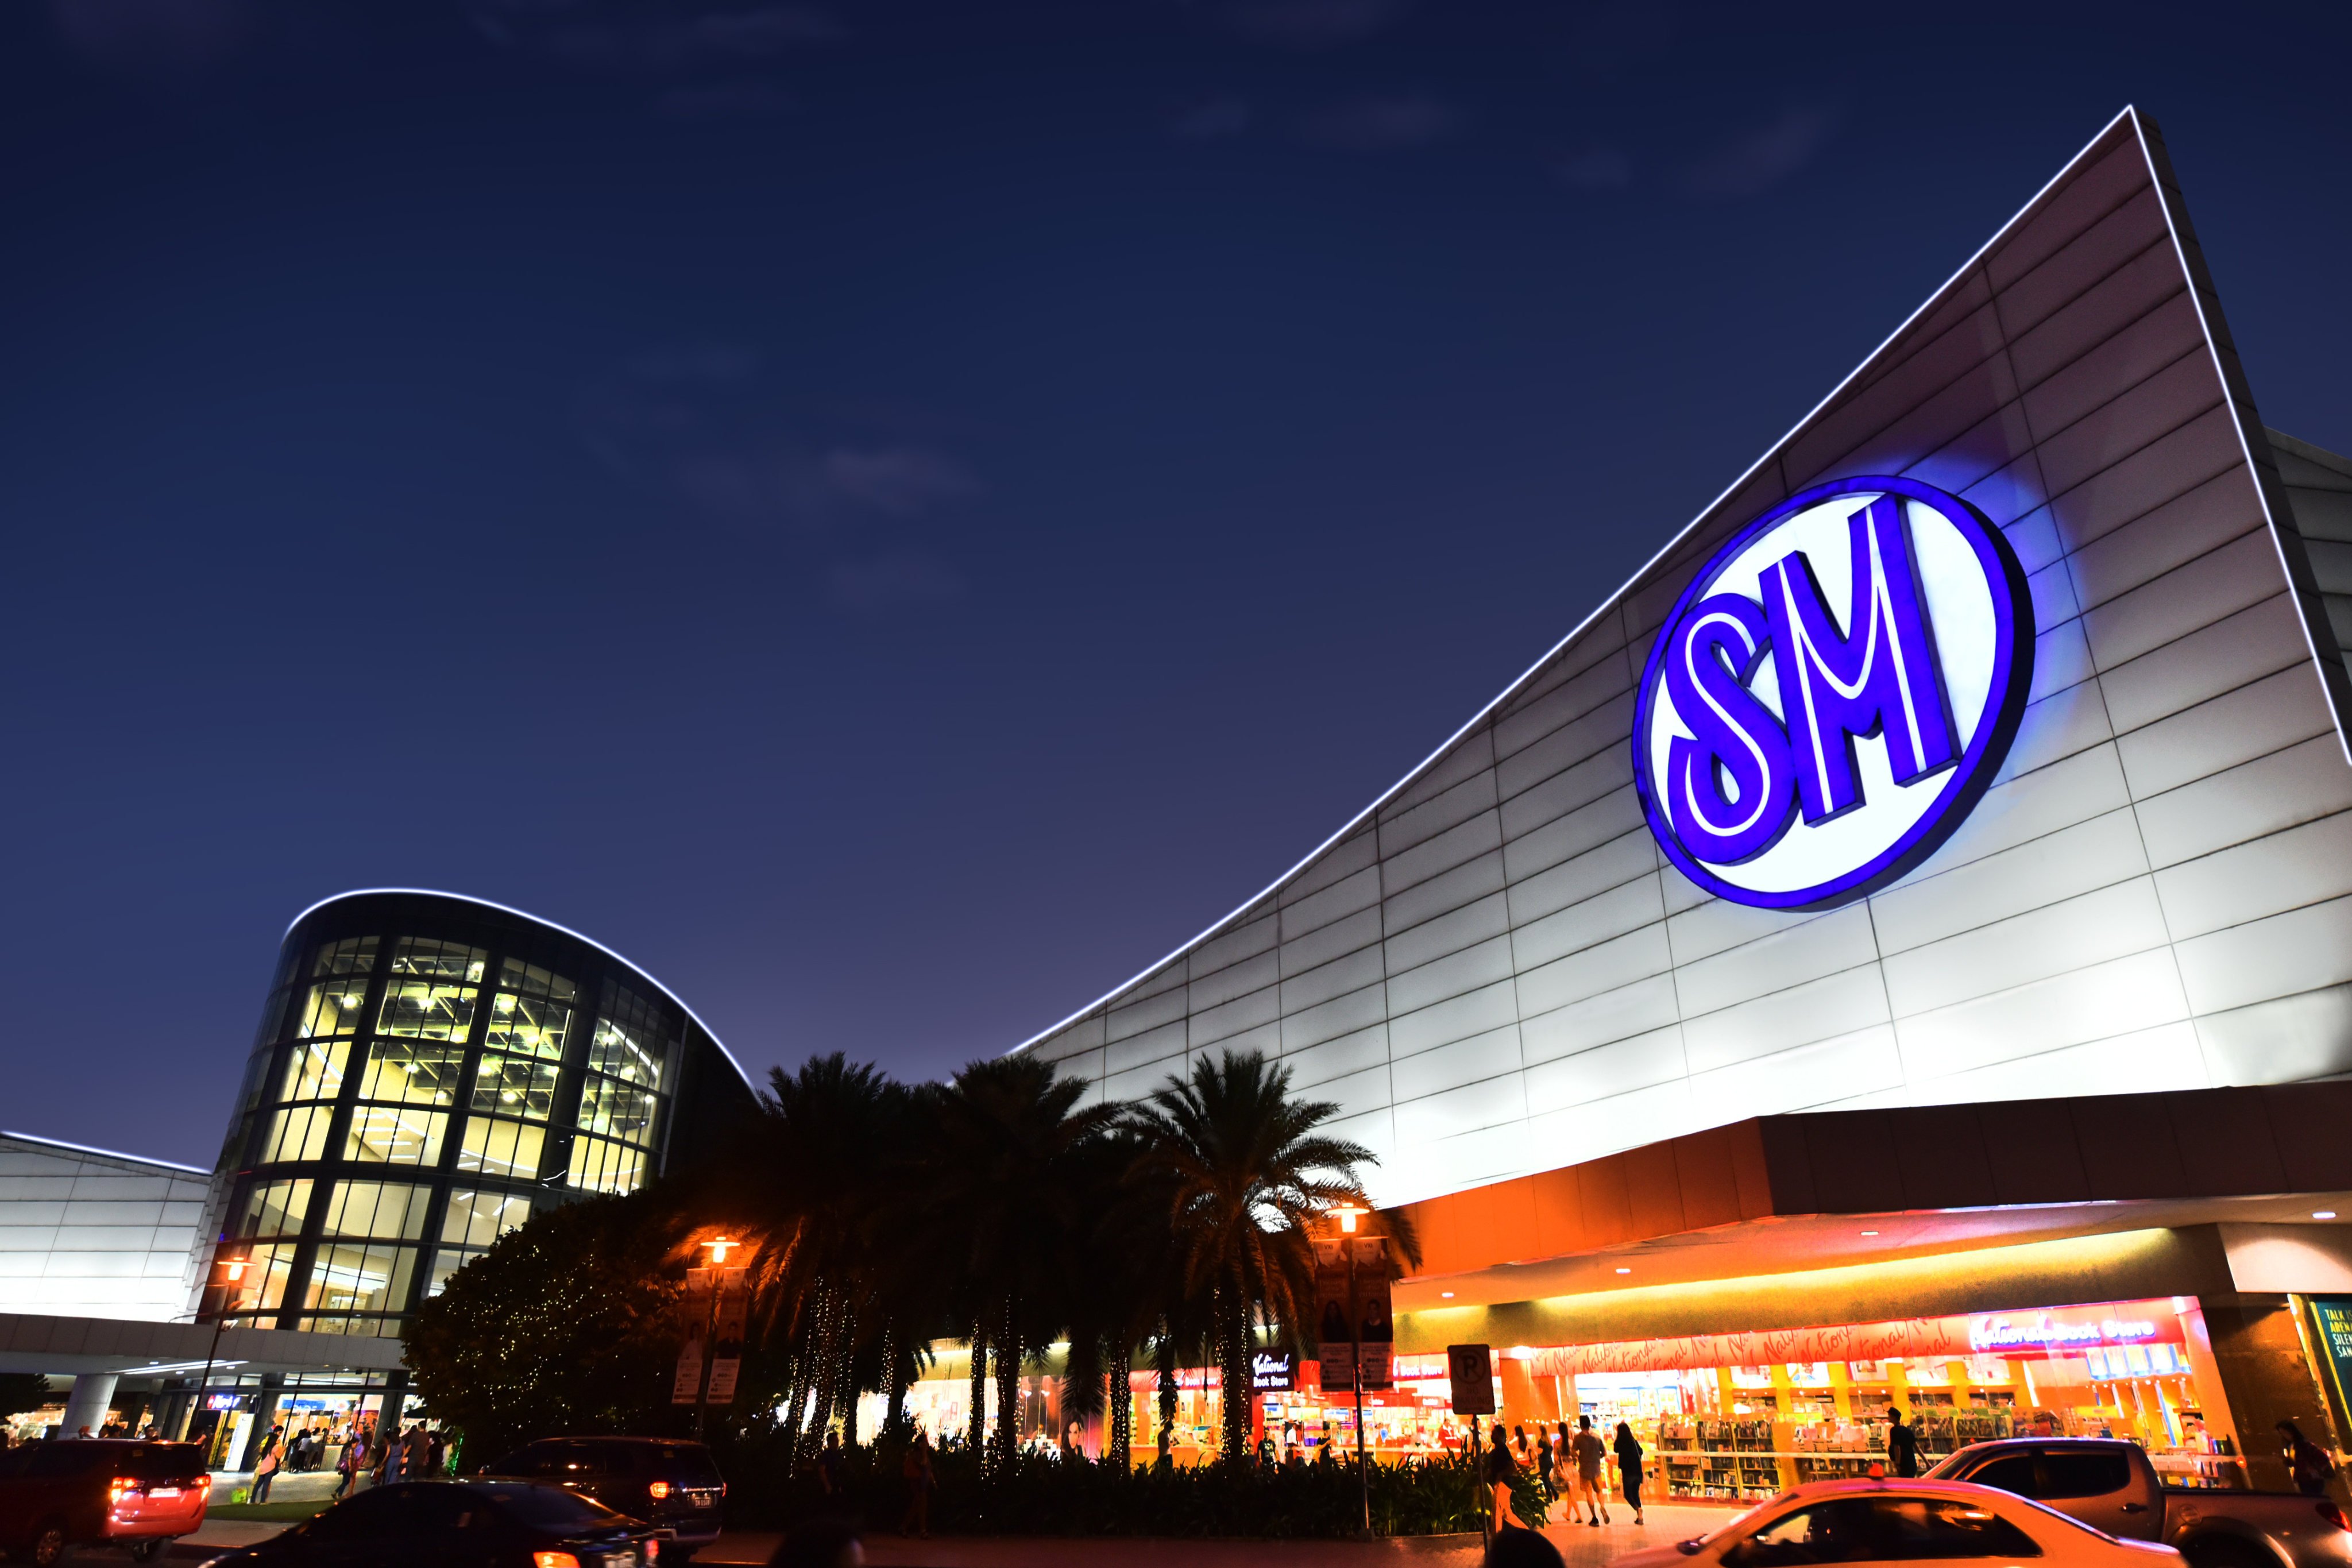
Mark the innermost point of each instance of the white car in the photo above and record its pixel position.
(1858, 1522)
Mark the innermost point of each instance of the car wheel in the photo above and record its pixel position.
(149, 1550)
(47, 1547)
(2225, 1551)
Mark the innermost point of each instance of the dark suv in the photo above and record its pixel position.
(664, 1482)
(98, 1491)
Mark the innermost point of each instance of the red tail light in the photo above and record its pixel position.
(653, 1548)
(2334, 1515)
(119, 1488)
(659, 1490)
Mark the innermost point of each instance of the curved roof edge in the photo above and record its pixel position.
(107, 1153)
(2127, 114)
(551, 925)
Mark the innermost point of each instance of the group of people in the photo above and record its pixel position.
(379, 1454)
(1574, 1470)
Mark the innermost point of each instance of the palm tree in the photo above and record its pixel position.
(1010, 1156)
(1242, 1175)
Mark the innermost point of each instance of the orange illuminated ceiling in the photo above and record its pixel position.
(1776, 1194)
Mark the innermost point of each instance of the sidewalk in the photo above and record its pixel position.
(1581, 1545)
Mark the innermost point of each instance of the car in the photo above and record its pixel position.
(113, 1491)
(664, 1479)
(2110, 1484)
(464, 1524)
(1889, 1522)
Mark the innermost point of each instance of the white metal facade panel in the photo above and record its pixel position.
(91, 1235)
(1493, 970)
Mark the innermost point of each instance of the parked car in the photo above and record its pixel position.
(98, 1491)
(1901, 1521)
(463, 1524)
(2109, 1484)
(664, 1481)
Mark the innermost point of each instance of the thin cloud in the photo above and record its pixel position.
(1317, 24)
(1382, 124)
(156, 38)
(1756, 161)
(897, 579)
(1211, 122)
(1598, 168)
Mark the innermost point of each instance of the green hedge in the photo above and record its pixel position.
(1043, 1495)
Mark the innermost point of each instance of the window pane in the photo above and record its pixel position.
(353, 955)
(1913, 1530)
(413, 1075)
(2085, 1472)
(388, 1209)
(623, 1053)
(529, 1025)
(333, 1008)
(433, 960)
(349, 1278)
(516, 975)
(300, 1133)
(599, 1166)
(273, 1208)
(315, 1070)
(517, 1085)
(392, 1135)
(259, 1286)
(445, 1262)
(426, 1011)
(617, 1108)
(500, 1148)
(478, 1219)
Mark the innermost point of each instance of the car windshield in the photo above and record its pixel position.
(552, 1508)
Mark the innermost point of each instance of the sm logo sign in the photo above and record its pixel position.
(1832, 694)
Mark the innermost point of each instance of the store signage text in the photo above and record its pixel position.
(1832, 694)
(2006, 1332)
(1271, 1369)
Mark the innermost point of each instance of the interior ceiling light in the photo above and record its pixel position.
(2322, 1214)
(1624, 1271)
(1447, 1294)
(1870, 1233)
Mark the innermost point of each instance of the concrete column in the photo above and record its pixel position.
(93, 1392)
(2265, 1379)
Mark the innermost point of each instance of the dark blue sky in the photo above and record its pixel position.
(895, 515)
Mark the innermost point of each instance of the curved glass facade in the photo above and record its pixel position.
(429, 1071)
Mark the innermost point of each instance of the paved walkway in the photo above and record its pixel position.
(1582, 1546)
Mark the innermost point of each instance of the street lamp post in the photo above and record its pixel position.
(236, 1266)
(720, 1247)
(1348, 1215)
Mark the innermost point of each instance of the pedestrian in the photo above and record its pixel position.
(1544, 1461)
(1501, 1471)
(1628, 1467)
(915, 1465)
(828, 1464)
(387, 1452)
(2306, 1462)
(437, 1457)
(1590, 1456)
(347, 1467)
(1563, 1465)
(266, 1467)
(1519, 1446)
(1902, 1446)
(416, 1452)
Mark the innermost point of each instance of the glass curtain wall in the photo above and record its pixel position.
(425, 1088)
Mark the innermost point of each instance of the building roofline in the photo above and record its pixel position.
(632, 967)
(2127, 114)
(108, 1154)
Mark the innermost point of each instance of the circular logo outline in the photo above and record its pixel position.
(1972, 773)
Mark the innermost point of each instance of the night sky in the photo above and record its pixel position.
(894, 515)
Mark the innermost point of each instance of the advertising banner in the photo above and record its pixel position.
(2332, 1315)
(687, 1387)
(727, 1342)
(1354, 1328)
(1274, 1370)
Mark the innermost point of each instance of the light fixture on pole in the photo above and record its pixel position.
(236, 1268)
(1347, 1214)
(718, 1246)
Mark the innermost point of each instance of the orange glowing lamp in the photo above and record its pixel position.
(1348, 1214)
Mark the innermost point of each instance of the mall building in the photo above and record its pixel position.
(1898, 949)
(429, 1069)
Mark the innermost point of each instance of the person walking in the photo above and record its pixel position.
(1544, 1462)
(1563, 1465)
(915, 1467)
(347, 1467)
(415, 1454)
(1590, 1456)
(265, 1468)
(1629, 1469)
(1901, 1446)
(2306, 1462)
(387, 1452)
(1501, 1470)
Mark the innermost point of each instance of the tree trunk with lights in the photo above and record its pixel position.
(978, 1421)
(1119, 1446)
(1164, 1357)
(1008, 1382)
(1234, 1373)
